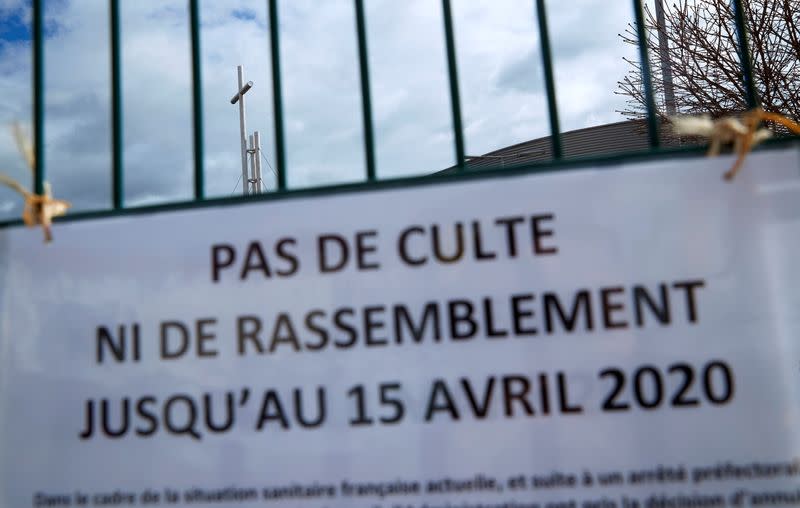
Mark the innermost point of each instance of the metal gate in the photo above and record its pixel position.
(370, 178)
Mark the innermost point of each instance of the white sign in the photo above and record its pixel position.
(619, 337)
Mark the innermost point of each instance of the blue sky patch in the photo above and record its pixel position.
(13, 29)
(244, 14)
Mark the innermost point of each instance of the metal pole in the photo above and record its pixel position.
(666, 61)
(549, 80)
(239, 97)
(243, 130)
(366, 100)
(251, 181)
(197, 100)
(38, 95)
(644, 62)
(740, 18)
(257, 155)
(117, 188)
(452, 72)
(277, 97)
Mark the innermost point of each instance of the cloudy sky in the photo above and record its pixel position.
(499, 68)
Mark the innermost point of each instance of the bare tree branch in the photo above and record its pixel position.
(704, 61)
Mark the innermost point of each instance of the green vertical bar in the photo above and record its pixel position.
(452, 71)
(751, 95)
(277, 98)
(197, 100)
(38, 95)
(366, 101)
(117, 182)
(549, 82)
(647, 77)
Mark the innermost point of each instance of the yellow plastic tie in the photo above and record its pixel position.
(744, 132)
(38, 210)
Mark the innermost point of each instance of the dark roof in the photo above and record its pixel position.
(626, 136)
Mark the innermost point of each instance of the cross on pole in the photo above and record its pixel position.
(239, 97)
